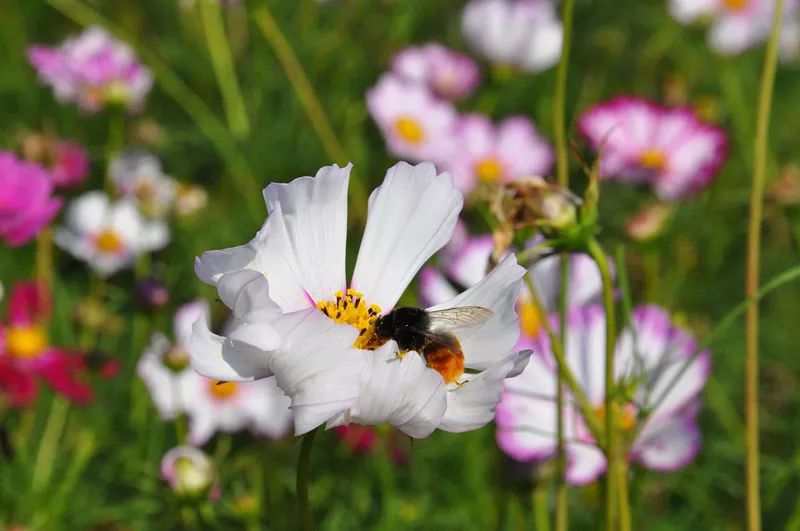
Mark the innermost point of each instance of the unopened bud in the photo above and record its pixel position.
(534, 202)
(189, 472)
(151, 293)
(648, 223)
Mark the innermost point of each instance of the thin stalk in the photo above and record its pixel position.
(752, 274)
(564, 371)
(304, 516)
(541, 515)
(194, 106)
(46, 456)
(44, 261)
(114, 143)
(305, 93)
(612, 438)
(562, 172)
(222, 62)
(622, 493)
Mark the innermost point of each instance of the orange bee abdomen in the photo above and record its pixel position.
(447, 362)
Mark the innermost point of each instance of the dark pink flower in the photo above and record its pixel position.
(26, 201)
(69, 164)
(26, 353)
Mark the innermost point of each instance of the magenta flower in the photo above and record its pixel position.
(26, 201)
(69, 164)
(415, 124)
(660, 418)
(93, 70)
(450, 75)
(671, 149)
(26, 353)
(488, 153)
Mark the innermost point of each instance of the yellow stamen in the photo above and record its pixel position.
(653, 159)
(410, 129)
(351, 308)
(27, 341)
(736, 5)
(626, 419)
(530, 319)
(489, 170)
(108, 241)
(222, 390)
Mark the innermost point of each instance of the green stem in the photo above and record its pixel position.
(306, 94)
(564, 371)
(559, 105)
(561, 455)
(541, 514)
(44, 261)
(49, 445)
(612, 438)
(304, 516)
(622, 493)
(752, 274)
(194, 106)
(222, 61)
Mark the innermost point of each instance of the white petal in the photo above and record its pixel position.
(314, 213)
(159, 379)
(402, 392)
(484, 345)
(246, 293)
(434, 288)
(185, 318)
(236, 359)
(317, 367)
(585, 463)
(87, 214)
(211, 265)
(669, 444)
(267, 407)
(411, 216)
(472, 405)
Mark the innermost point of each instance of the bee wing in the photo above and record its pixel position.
(461, 317)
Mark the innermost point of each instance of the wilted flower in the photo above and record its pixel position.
(26, 352)
(639, 141)
(414, 123)
(138, 175)
(93, 70)
(737, 25)
(26, 201)
(211, 405)
(658, 417)
(67, 162)
(108, 236)
(450, 75)
(190, 473)
(301, 322)
(525, 34)
(491, 154)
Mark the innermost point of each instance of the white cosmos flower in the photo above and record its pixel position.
(209, 404)
(107, 235)
(525, 34)
(330, 362)
(138, 175)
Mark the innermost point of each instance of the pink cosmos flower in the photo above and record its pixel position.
(450, 75)
(488, 153)
(26, 202)
(414, 123)
(69, 164)
(660, 419)
(26, 353)
(93, 69)
(671, 149)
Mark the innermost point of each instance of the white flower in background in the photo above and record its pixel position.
(659, 419)
(737, 25)
(209, 404)
(138, 175)
(107, 235)
(300, 320)
(524, 34)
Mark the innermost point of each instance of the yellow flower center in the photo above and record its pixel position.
(489, 170)
(108, 241)
(222, 390)
(736, 5)
(410, 129)
(530, 319)
(626, 419)
(653, 159)
(27, 341)
(350, 308)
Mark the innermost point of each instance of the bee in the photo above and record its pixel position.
(430, 333)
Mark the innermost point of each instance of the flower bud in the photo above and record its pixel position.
(534, 202)
(151, 293)
(648, 223)
(189, 472)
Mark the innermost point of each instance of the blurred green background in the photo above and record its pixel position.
(102, 473)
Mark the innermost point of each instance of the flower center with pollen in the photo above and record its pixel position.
(350, 308)
(530, 319)
(489, 170)
(26, 341)
(736, 5)
(108, 241)
(410, 129)
(626, 419)
(222, 390)
(653, 159)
